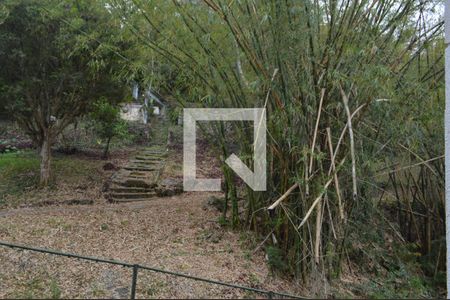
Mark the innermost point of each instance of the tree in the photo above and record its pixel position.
(107, 122)
(56, 58)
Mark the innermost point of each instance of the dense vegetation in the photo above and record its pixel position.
(354, 94)
(336, 77)
(56, 60)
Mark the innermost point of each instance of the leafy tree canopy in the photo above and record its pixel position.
(57, 57)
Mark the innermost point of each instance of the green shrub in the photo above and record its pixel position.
(107, 122)
(174, 113)
(276, 259)
(6, 147)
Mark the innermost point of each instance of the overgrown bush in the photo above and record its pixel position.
(276, 260)
(12, 138)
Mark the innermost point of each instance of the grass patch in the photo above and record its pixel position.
(19, 173)
(72, 169)
(41, 286)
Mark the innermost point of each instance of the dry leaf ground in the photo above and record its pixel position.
(179, 233)
(172, 233)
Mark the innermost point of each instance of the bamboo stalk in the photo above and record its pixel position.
(420, 158)
(341, 137)
(322, 94)
(284, 196)
(336, 180)
(327, 204)
(409, 166)
(352, 142)
(318, 232)
(316, 201)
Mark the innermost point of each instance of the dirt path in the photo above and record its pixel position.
(178, 233)
(72, 208)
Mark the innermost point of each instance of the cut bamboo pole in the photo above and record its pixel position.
(336, 180)
(316, 128)
(352, 142)
(315, 203)
(285, 195)
(319, 203)
(344, 131)
(318, 232)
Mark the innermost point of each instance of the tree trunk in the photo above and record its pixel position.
(45, 160)
(105, 152)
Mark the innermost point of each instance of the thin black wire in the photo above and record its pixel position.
(129, 265)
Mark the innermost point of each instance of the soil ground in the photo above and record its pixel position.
(178, 233)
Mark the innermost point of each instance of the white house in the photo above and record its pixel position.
(132, 112)
(136, 111)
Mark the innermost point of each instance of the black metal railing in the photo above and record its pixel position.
(136, 267)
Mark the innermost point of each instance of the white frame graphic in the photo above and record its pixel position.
(257, 179)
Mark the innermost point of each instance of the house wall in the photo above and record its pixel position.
(134, 113)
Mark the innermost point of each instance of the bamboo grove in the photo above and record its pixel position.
(337, 77)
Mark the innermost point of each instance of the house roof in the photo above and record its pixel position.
(155, 96)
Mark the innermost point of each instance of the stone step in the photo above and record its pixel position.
(135, 183)
(138, 174)
(149, 164)
(147, 158)
(114, 200)
(132, 195)
(145, 166)
(144, 178)
(156, 149)
(145, 162)
(142, 168)
(152, 155)
(122, 189)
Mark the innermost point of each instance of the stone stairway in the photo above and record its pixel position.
(138, 180)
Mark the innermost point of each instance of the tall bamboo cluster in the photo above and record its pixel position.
(317, 67)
